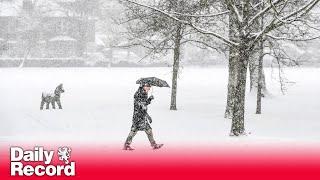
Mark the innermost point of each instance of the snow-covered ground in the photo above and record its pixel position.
(98, 105)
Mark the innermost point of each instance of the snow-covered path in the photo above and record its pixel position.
(98, 107)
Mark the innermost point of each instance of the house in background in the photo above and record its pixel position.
(43, 29)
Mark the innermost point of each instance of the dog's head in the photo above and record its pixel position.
(59, 89)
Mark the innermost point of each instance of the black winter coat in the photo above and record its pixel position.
(140, 114)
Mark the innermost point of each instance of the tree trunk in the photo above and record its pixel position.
(25, 57)
(237, 128)
(255, 59)
(260, 83)
(254, 72)
(261, 77)
(233, 58)
(176, 62)
(231, 81)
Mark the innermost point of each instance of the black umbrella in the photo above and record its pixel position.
(153, 81)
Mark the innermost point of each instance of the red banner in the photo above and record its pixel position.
(182, 163)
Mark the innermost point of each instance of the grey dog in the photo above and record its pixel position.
(52, 98)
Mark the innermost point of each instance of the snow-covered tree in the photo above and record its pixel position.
(29, 28)
(160, 34)
(244, 15)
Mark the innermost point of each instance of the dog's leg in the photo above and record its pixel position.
(53, 104)
(42, 104)
(47, 105)
(59, 103)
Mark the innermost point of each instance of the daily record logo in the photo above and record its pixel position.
(38, 161)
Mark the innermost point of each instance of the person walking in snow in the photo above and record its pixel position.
(141, 119)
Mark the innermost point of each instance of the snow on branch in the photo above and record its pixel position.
(291, 39)
(202, 15)
(276, 22)
(263, 11)
(200, 30)
(235, 9)
(305, 9)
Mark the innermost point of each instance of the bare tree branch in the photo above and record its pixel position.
(203, 31)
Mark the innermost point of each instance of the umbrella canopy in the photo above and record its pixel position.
(153, 81)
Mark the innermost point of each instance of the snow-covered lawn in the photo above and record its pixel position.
(98, 106)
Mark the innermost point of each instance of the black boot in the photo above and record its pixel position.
(127, 147)
(157, 146)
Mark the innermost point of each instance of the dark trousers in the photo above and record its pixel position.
(133, 132)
